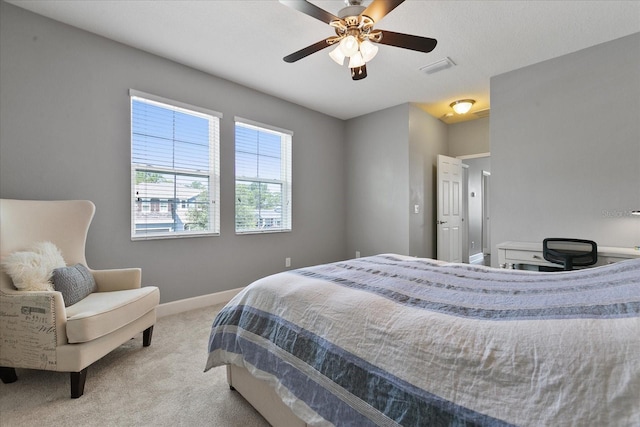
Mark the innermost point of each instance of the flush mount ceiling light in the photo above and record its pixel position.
(355, 37)
(462, 106)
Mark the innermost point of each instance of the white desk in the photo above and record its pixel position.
(512, 254)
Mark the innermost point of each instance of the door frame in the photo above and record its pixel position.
(486, 213)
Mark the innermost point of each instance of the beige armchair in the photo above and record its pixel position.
(37, 331)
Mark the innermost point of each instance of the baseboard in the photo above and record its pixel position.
(180, 306)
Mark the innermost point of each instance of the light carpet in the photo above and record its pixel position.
(160, 385)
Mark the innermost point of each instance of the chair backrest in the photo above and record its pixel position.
(62, 222)
(570, 252)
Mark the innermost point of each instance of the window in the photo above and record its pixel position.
(263, 178)
(174, 169)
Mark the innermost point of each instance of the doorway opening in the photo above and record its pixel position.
(477, 210)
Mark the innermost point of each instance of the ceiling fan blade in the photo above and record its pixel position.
(295, 56)
(379, 8)
(407, 41)
(311, 10)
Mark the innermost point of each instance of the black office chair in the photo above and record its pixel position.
(570, 252)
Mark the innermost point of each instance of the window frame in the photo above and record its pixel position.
(213, 173)
(286, 150)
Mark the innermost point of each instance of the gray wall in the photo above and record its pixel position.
(427, 138)
(65, 134)
(471, 137)
(377, 155)
(565, 147)
(392, 157)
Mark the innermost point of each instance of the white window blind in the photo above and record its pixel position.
(263, 178)
(174, 169)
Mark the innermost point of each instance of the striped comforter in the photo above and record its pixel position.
(391, 340)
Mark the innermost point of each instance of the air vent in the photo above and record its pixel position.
(482, 113)
(443, 64)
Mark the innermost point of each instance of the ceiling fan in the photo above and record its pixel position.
(355, 36)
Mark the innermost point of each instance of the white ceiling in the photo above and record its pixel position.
(244, 41)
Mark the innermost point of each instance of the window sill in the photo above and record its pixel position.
(169, 237)
(243, 233)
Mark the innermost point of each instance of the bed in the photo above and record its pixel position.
(392, 340)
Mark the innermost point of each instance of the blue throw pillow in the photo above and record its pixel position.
(74, 282)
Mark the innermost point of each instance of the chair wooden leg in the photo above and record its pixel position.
(77, 383)
(8, 375)
(146, 336)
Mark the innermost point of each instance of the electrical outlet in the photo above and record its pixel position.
(416, 209)
(357, 254)
(287, 262)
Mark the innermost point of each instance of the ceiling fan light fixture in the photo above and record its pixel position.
(359, 73)
(337, 55)
(368, 50)
(356, 60)
(355, 34)
(349, 46)
(462, 106)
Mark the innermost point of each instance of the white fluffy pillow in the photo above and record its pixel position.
(31, 270)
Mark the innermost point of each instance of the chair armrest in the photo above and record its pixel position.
(117, 279)
(29, 320)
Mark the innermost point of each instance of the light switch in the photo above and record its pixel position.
(416, 208)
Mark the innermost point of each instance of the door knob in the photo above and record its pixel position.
(441, 222)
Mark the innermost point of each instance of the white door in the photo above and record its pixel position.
(449, 217)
